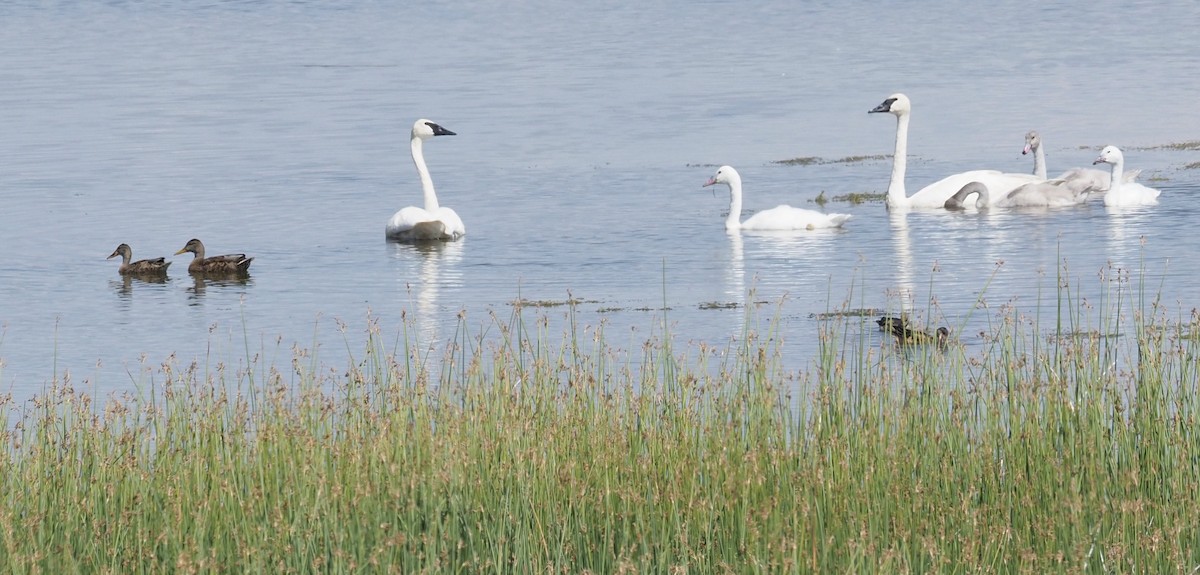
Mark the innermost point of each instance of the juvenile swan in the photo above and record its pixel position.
(432, 222)
(934, 195)
(1123, 193)
(1095, 181)
(782, 217)
(1046, 194)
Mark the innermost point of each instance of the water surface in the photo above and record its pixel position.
(585, 132)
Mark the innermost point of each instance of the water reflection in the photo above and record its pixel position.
(735, 280)
(799, 263)
(1126, 226)
(124, 284)
(201, 283)
(902, 252)
(437, 265)
(735, 273)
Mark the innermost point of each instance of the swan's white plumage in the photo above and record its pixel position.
(1122, 192)
(409, 221)
(783, 217)
(934, 195)
(432, 222)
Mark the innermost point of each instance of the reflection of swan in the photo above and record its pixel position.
(436, 268)
(1095, 181)
(1124, 193)
(737, 269)
(903, 251)
(781, 217)
(1047, 194)
(934, 195)
(432, 222)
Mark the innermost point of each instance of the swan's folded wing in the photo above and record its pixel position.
(453, 223)
(1089, 180)
(406, 218)
(785, 217)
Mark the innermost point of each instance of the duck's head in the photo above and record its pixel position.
(193, 246)
(122, 250)
(1033, 141)
(1109, 155)
(425, 129)
(725, 175)
(897, 104)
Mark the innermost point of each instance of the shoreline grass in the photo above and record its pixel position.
(518, 452)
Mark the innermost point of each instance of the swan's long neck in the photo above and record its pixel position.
(983, 201)
(959, 199)
(431, 203)
(734, 221)
(896, 195)
(1114, 186)
(1039, 162)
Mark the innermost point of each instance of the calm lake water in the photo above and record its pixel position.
(584, 133)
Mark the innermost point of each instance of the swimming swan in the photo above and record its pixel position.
(934, 195)
(432, 222)
(1046, 194)
(782, 217)
(1096, 181)
(1123, 193)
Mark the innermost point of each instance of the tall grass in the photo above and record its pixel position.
(519, 451)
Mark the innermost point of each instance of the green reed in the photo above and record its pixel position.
(522, 450)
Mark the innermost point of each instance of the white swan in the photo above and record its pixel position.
(782, 217)
(1123, 193)
(1045, 194)
(934, 195)
(432, 222)
(1096, 181)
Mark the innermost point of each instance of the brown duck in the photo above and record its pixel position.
(227, 264)
(156, 266)
(909, 335)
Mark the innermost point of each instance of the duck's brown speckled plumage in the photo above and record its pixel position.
(909, 335)
(156, 266)
(224, 264)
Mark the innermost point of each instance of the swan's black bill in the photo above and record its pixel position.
(438, 130)
(886, 106)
